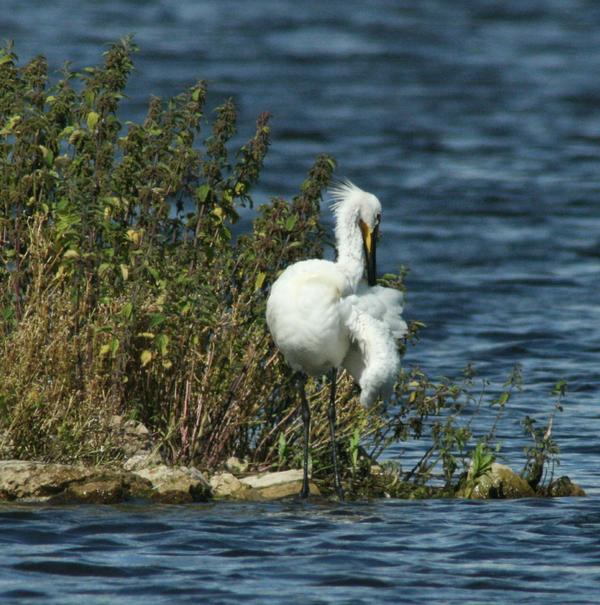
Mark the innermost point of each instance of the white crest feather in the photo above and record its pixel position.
(341, 192)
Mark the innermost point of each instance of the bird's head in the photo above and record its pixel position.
(359, 209)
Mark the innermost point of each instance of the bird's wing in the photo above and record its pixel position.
(303, 315)
(372, 316)
(385, 304)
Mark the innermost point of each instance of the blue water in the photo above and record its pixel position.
(477, 123)
(384, 552)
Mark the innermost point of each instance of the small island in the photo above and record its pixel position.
(135, 362)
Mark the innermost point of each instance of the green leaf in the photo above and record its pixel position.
(127, 310)
(202, 193)
(560, 388)
(218, 211)
(67, 131)
(290, 223)
(482, 460)
(156, 319)
(154, 272)
(196, 94)
(282, 446)
(503, 399)
(135, 236)
(111, 347)
(260, 280)
(47, 155)
(92, 119)
(89, 96)
(103, 269)
(146, 357)
(353, 447)
(75, 136)
(162, 342)
(12, 122)
(102, 329)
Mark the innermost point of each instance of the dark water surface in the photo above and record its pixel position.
(385, 552)
(477, 123)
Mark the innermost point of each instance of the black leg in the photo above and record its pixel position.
(331, 416)
(306, 422)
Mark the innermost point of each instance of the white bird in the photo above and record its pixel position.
(323, 316)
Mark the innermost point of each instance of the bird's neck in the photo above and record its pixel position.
(351, 258)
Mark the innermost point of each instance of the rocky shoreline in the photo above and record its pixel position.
(26, 481)
(37, 482)
(144, 476)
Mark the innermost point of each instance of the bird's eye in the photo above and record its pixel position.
(378, 219)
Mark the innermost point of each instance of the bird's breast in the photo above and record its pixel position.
(304, 317)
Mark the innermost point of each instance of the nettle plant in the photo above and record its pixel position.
(124, 292)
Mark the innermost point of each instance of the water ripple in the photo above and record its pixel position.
(477, 125)
(534, 547)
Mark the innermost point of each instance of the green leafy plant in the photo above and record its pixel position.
(125, 292)
(542, 456)
(353, 449)
(481, 465)
(282, 451)
(122, 288)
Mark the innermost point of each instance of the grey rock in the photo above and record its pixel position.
(143, 459)
(236, 466)
(564, 487)
(176, 483)
(131, 435)
(40, 482)
(500, 482)
(226, 485)
(273, 486)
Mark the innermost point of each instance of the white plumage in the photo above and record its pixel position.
(322, 314)
(374, 323)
